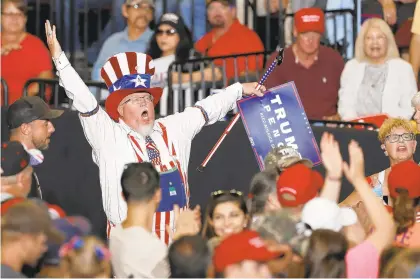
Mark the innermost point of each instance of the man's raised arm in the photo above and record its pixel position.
(211, 109)
(95, 120)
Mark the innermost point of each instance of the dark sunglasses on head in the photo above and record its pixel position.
(169, 32)
(219, 193)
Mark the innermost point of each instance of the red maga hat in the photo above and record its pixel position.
(246, 245)
(297, 185)
(405, 175)
(127, 73)
(310, 19)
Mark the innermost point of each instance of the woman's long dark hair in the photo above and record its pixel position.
(183, 49)
(208, 230)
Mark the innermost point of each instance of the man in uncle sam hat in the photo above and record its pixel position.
(127, 132)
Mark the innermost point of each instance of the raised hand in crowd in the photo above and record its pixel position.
(52, 41)
(333, 163)
(247, 269)
(249, 89)
(355, 171)
(187, 222)
(384, 227)
(6, 49)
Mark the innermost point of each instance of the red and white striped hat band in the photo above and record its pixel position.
(128, 70)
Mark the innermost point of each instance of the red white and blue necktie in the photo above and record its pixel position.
(152, 151)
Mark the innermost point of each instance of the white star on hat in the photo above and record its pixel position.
(139, 81)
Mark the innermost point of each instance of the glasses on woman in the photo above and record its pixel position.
(395, 137)
(169, 32)
(139, 100)
(219, 193)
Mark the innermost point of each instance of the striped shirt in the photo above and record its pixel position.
(111, 144)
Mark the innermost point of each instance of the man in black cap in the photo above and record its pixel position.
(29, 122)
(16, 178)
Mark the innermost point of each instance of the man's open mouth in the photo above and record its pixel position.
(145, 114)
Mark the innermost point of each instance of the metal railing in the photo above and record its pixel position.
(343, 124)
(198, 78)
(83, 25)
(5, 92)
(282, 20)
(59, 97)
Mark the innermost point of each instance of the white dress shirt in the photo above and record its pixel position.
(111, 147)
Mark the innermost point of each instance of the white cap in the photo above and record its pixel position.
(321, 213)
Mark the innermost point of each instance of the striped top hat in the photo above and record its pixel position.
(127, 73)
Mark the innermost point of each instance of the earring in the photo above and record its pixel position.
(386, 153)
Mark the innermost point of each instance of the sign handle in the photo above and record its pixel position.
(276, 62)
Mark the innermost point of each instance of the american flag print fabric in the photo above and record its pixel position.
(161, 219)
(152, 151)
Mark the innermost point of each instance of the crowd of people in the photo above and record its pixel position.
(290, 224)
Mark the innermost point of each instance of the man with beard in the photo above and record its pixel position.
(127, 131)
(398, 141)
(29, 122)
(136, 37)
(228, 36)
(315, 69)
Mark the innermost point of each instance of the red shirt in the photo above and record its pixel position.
(23, 64)
(317, 86)
(238, 39)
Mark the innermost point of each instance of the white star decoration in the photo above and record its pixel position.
(116, 88)
(139, 81)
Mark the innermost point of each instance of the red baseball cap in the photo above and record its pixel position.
(246, 245)
(405, 175)
(310, 19)
(297, 185)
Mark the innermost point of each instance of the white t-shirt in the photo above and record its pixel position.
(138, 253)
(159, 79)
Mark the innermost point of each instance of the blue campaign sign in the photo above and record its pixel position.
(278, 119)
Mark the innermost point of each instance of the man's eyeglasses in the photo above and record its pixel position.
(169, 32)
(139, 100)
(219, 193)
(405, 137)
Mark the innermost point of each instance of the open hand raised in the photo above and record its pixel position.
(331, 156)
(52, 41)
(356, 169)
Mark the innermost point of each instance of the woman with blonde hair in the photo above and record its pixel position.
(377, 80)
(85, 257)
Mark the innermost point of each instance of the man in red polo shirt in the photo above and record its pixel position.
(227, 37)
(315, 69)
